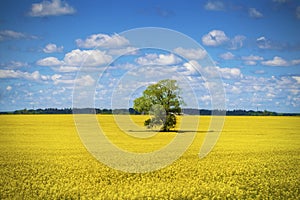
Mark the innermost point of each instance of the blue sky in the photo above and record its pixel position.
(255, 47)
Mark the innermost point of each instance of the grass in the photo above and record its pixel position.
(42, 157)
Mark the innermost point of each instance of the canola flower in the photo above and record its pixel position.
(42, 157)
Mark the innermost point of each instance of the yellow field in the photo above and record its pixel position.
(42, 157)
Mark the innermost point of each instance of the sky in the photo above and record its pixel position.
(65, 53)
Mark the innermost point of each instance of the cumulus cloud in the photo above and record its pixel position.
(55, 77)
(14, 65)
(51, 8)
(254, 13)
(82, 81)
(102, 40)
(218, 37)
(49, 61)
(230, 73)
(295, 62)
(297, 78)
(86, 80)
(205, 98)
(19, 74)
(276, 61)
(267, 43)
(227, 56)
(10, 34)
(215, 38)
(8, 88)
(194, 54)
(214, 5)
(123, 51)
(76, 58)
(52, 48)
(210, 72)
(252, 59)
(88, 58)
(263, 43)
(66, 69)
(158, 59)
(236, 42)
(250, 62)
(191, 67)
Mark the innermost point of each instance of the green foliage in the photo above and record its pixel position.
(170, 122)
(161, 100)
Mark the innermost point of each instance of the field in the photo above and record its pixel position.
(42, 157)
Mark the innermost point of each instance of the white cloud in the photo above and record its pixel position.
(103, 40)
(51, 8)
(266, 43)
(76, 58)
(49, 61)
(227, 56)
(297, 78)
(271, 95)
(52, 48)
(251, 60)
(215, 38)
(276, 61)
(88, 58)
(14, 65)
(67, 69)
(161, 59)
(252, 57)
(256, 91)
(230, 73)
(86, 80)
(234, 89)
(9, 34)
(55, 77)
(206, 98)
(214, 5)
(295, 62)
(123, 51)
(298, 12)
(19, 74)
(64, 81)
(237, 42)
(214, 72)
(263, 43)
(194, 54)
(218, 37)
(82, 81)
(254, 13)
(8, 88)
(191, 67)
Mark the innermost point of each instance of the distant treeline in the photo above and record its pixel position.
(235, 112)
(185, 111)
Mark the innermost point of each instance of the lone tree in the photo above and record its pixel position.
(162, 101)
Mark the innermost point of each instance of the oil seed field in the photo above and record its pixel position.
(42, 157)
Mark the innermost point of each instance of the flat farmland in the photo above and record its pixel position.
(42, 157)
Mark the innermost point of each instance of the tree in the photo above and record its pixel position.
(162, 101)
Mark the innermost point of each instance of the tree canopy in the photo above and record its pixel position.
(162, 101)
